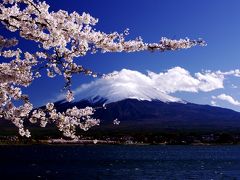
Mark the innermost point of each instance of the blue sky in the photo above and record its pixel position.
(216, 21)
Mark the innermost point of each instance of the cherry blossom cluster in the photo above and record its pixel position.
(68, 121)
(66, 36)
(60, 38)
(14, 75)
(116, 122)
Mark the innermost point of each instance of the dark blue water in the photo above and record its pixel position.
(119, 162)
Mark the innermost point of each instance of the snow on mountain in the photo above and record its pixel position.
(126, 83)
(122, 85)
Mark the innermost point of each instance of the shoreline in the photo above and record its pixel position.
(104, 142)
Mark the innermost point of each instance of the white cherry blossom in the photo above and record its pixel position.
(61, 38)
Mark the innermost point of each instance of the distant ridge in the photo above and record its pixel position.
(156, 114)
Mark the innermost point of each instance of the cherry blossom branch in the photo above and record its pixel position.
(61, 38)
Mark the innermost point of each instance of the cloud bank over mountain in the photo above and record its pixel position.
(160, 86)
(179, 79)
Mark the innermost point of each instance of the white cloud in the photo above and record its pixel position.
(133, 84)
(227, 98)
(179, 79)
(235, 72)
(214, 103)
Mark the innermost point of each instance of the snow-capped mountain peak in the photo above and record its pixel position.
(125, 84)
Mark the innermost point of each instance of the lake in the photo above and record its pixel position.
(119, 162)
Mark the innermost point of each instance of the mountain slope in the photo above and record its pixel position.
(156, 114)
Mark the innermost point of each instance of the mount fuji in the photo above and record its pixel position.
(136, 100)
